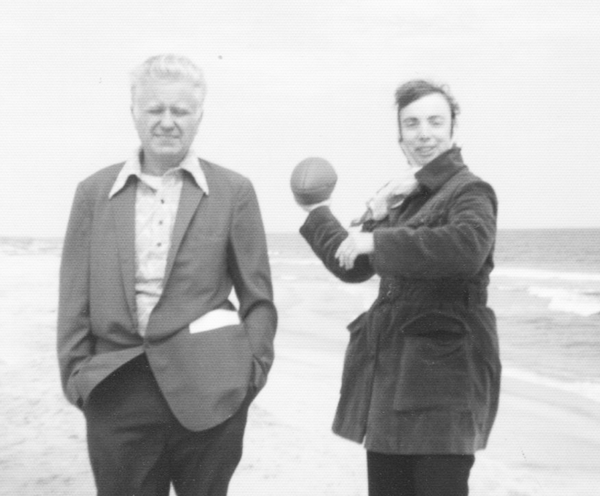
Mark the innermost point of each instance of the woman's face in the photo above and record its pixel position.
(426, 129)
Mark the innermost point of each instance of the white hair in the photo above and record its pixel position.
(169, 67)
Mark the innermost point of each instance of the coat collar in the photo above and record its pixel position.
(123, 208)
(122, 204)
(133, 168)
(437, 172)
(191, 195)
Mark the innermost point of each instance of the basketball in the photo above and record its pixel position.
(313, 181)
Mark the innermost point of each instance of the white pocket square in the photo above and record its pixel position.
(214, 319)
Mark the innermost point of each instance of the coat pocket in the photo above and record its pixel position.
(434, 364)
(215, 319)
(357, 377)
(204, 376)
(356, 352)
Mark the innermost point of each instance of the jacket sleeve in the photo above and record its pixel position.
(457, 246)
(75, 343)
(251, 275)
(324, 234)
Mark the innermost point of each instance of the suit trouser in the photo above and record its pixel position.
(137, 446)
(418, 475)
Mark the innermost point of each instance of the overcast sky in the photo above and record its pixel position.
(299, 78)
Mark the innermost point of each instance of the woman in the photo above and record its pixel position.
(421, 376)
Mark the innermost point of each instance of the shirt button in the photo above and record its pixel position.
(158, 244)
(162, 200)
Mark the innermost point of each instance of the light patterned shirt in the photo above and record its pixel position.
(156, 204)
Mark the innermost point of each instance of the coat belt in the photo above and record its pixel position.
(432, 292)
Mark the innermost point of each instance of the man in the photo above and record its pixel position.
(150, 347)
(421, 377)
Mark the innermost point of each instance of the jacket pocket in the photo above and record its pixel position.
(434, 364)
(356, 357)
(357, 378)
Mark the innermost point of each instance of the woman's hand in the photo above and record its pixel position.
(357, 243)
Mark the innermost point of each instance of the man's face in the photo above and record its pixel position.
(426, 128)
(166, 115)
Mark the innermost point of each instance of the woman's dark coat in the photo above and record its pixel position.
(422, 368)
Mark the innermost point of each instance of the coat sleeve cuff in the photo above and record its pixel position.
(314, 219)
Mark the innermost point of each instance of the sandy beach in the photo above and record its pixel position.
(546, 439)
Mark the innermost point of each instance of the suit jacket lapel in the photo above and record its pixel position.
(188, 203)
(123, 207)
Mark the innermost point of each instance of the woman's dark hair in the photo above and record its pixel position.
(418, 88)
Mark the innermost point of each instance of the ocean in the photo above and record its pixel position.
(545, 290)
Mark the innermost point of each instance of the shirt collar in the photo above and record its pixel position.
(133, 167)
(437, 172)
